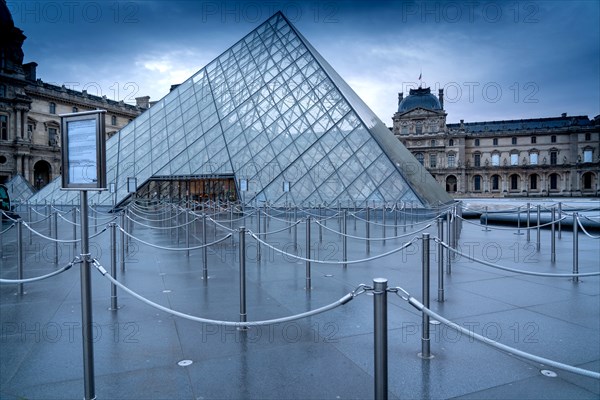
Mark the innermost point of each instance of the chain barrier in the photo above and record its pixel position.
(437, 240)
(511, 350)
(39, 278)
(332, 262)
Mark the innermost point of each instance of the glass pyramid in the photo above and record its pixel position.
(19, 190)
(268, 110)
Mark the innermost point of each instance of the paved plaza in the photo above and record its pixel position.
(138, 349)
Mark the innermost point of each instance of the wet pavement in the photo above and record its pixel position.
(137, 348)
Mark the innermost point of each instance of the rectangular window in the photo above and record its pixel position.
(52, 136)
(477, 183)
(495, 160)
(451, 160)
(477, 160)
(3, 127)
(433, 161)
(514, 140)
(587, 156)
(533, 139)
(553, 157)
(533, 159)
(533, 182)
(553, 182)
(514, 182)
(514, 159)
(495, 141)
(495, 182)
(52, 108)
(2, 91)
(476, 142)
(404, 130)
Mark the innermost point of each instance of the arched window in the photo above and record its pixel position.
(432, 142)
(113, 120)
(3, 127)
(451, 142)
(554, 182)
(588, 180)
(514, 182)
(495, 182)
(533, 182)
(495, 160)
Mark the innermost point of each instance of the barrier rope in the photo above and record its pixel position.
(64, 240)
(399, 226)
(226, 228)
(376, 238)
(333, 262)
(345, 299)
(584, 230)
(155, 220)
(511, 350)
(174, 248)
(7, 229)
(279, 230)
(519, 271)
(39, 278)
(40, 220)
(158, 227)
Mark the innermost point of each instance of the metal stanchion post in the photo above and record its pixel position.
(29, 234)
(404, 217)
(380, 337)
(425, 340)
(74, 229)
(448, 236)
(344, 237)
(295, 227)
(113, 265)
(87, 333)
(204, 249)
(412, 216)
(528, 222)
(553, 238)
(383, 222)
(354, 216)
(320, 222)
(559, 221)
(308, 280)
(122, 241)
(396, 219)
(258, 246)
(518, 232)
(537, 245)
(20, 291)
(55, 217)
(95, 211)
(440, 260)
(486, 220)
(243, 276)
(575, 247)
(49, 212)
(187, 232)
(368, 228)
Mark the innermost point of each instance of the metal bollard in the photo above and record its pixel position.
(380, 338)
(243, 277)
(113, 265)
(537, 245)
(440, 260)
(575, 247)
(528, 222)
(204, 249)
(122, 242)
(449, 253)
(20, 291)
(425, 340)
(344, 238)
(368, 229)
(308, 281)
(553, 238)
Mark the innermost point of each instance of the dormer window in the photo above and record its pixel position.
(52, 108)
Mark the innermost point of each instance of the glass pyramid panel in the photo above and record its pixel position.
(270, 109)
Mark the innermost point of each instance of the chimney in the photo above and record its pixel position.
(441, 97)
(400, 97)
(143, 102)
(564, 115)
(30, 71)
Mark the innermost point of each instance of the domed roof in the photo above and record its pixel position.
(419, 98)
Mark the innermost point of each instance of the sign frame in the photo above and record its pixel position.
(70, 180)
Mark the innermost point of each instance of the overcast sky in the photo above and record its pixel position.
(496, 60)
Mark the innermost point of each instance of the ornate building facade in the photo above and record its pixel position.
(30, 109)
(536, 157)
